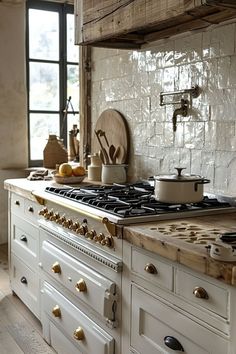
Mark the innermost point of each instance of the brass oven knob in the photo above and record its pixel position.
(150, 268)
(61, 219)
(82, 230)
(43, 211)
(107, 241)
(74, 226)
(48, 214)
(200, 293)
(79, 334)
(54, 217)
(56, 268)
(99, 237)
(90, 234)
(81, 285)
(66, 223)
(56, 311)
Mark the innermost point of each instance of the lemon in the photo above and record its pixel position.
(78, 170)
(65, 170)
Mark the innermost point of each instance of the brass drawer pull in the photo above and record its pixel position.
(150, 268)
(56, 268)
(200, 293)
(79, 334)
(81, 285)
(56, 311)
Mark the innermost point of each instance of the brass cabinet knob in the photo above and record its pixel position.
(79, 334)
(150, 268)
(56, 268)
(56, 311)
(200, 293)
(81, 285)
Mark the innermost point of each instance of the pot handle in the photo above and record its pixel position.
(203, 181)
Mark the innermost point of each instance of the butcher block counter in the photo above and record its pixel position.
(185, 241)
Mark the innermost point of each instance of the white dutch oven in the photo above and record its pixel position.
(179, 189)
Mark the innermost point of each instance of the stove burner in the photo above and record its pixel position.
(132, 200)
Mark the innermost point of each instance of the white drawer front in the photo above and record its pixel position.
(153, 321)
(96, 291)
(60, 342)
(94, 339)
(17, 204)
(152, 269)
(25, 241)
(218, 297)
(25, 283)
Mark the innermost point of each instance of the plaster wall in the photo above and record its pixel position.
(205, 140)
(13, 119)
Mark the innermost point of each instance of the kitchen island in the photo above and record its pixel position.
(172, 296)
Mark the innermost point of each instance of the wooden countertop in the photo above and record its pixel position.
(175, 239)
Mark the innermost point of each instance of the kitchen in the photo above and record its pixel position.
(130, 81)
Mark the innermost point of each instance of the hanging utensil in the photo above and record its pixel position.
(105, 155)
(102, 133)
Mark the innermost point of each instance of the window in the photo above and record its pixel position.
(52, 74)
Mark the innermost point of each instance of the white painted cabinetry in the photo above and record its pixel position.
(175, 310)
(24, 251)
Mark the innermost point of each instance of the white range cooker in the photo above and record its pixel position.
(80, 258)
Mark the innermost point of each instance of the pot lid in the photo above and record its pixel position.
(178, 177)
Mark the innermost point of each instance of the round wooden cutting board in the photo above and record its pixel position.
(116, 131)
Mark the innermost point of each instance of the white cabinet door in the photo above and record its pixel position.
(157, 328)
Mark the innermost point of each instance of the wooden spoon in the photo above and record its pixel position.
(100, 153)
(121, 156)
(112, 150)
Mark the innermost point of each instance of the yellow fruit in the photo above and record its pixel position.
(78, 170)
(65, 170)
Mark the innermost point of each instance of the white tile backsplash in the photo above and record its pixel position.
(205, 140)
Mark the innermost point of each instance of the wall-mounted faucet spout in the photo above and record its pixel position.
(183, 111)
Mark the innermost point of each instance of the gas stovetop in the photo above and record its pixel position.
(134, 203)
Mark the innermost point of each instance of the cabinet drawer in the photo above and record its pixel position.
(25, 283)
(154, 324)
(60, 342)
(25, 241)
(89, 286)
(17, 204)
(90, 339)
(217, 298)
(152, 269)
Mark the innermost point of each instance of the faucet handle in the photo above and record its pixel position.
(179, 170)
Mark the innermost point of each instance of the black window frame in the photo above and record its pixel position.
(63, 10)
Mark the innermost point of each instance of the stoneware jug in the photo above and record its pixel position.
(114, 173)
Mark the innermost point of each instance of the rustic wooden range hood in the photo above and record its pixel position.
(135, 23)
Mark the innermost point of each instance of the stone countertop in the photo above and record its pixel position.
(176, 239)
